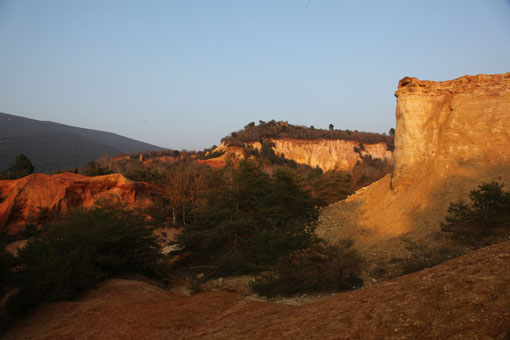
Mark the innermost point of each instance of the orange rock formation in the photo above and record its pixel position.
(25, 197)
(450, 137)
(324, 153)
(461, 124)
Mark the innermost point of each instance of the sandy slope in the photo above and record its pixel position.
(466, 298)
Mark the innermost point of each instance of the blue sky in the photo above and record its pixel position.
(183, 74)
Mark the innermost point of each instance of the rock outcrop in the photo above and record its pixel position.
(450, 137)
(27, 197)
(461, 124)
(323, 153)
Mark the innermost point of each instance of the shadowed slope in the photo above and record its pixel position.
(51, 146)
(466, 298)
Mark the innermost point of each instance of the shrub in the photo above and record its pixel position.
(482, 221)
(319, 268)
(71, 256)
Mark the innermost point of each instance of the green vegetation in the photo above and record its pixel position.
(483, 221)
(20, 168)
(73, 254)
(95, 169)
(184, 179)
(248, 220)
(273, 129)
(317, 268)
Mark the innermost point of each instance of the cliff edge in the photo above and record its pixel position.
(327, 154)
(450, 137)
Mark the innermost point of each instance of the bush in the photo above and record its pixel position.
(320, 268)
(71, 256)
(484, 220)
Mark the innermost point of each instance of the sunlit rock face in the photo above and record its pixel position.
(451, 136)
(323, 153)
(460, 123)
(25, 198)
(329, 154)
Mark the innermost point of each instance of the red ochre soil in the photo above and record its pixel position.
(465, 298)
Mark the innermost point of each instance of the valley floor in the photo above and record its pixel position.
(465, 298)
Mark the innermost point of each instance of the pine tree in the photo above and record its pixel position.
(21, 167)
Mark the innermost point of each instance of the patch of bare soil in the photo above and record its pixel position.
(465, 298)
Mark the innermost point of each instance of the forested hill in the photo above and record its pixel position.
(274, 129)
(51, 146)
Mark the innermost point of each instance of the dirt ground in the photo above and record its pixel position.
(465, 298)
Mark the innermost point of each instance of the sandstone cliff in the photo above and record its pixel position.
(458, 125)
(26, 197)
(450, 137)
(323, 153)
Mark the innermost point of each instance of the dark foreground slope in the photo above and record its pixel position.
(52, 146)
(465, 298)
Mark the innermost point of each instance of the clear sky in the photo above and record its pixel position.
(185, 73)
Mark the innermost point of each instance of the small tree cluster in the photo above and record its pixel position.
(94, 168)
(483, 220)
(72, 255)
(274, 129)
(20, 168)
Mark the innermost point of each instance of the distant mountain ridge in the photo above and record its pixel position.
(51, 146)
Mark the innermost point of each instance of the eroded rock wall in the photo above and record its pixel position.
(24, 198)
(461, 123)
(323, 153)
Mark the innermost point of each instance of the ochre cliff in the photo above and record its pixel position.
(323, 153)
(450, 137)
(461, 124)
(24, 198)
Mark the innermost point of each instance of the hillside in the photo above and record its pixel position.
(283, 130)
(450, 137)
(465, 298)
(51, 146)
